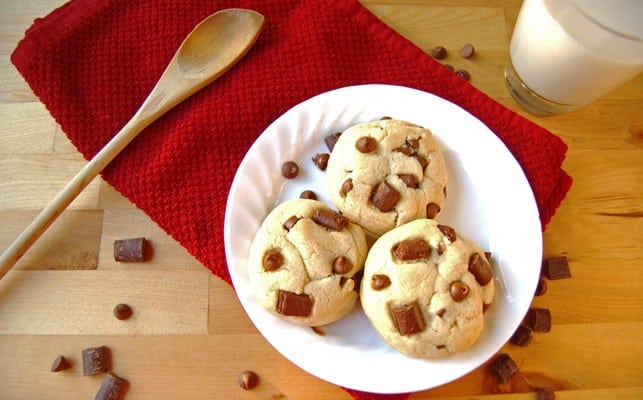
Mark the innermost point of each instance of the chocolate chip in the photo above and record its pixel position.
(423, 162)
(409, 180)
(408, 318)
(480, 269)
(59, 364)
(459, 291)
(331, 140)
(112, 388)
(441, 248)
(366, 144)
(556, 268)
(318, 330)
(448, 232)
(440, 312)
(545, 394)
(464, 74)
(541, 288)
(522, 336)
(386, 117)
(122, 311)
(432, 210)
(96, 360)
(308, 194)
(130, 250)
(347, 186)
(272, 260)
(293, 304)
(467, 51)
(449, 67)
(321, 161)
(290, 222)
(384, 197)
(503, 368)
(406, 150)
(248, 380)
(330, 219)
(342, 265)
(439, 53)
(538, 319)
(380, 281)
(411, 249)
(290, 169)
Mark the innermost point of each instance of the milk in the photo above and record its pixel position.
(574, 51)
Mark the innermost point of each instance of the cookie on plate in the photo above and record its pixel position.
(425, 288)
(385, 173)
(303, 262)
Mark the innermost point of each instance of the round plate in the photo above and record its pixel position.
(489, 200)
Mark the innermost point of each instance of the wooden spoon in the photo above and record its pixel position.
(213, 46)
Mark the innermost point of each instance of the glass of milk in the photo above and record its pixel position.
(566, 53)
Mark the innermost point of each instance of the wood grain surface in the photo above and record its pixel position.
(189, 338)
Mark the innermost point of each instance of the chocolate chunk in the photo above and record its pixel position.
(439, 53)
(380, 281)
(432, 210)
(321, 160)
(464, 74)
(408, 318)
(480, 268)
(290, 222)
(342, 265)
(318, 330)
(448, 232)
(130, 250)
(59, 364)
(556, 268)
(440, 313)
(413, 143)
(409, 180)
(272, 260)
(384, 197)
(405, 149)
(347, 186)
(122, 311)
(112, 388)
(522, 336)
(503, 368)
(545, 394)
(441, 248)
(467, 51)
(331, 140)
(96, 360)
(538, 319)
(541, 288)
(449, 67)
(423, 162)
(330, 219)
(386, 117)
(248, 380)
(293, 304)
(459, 290)
(366, 144)
(308, 194)
(290, 169)
(411, 249)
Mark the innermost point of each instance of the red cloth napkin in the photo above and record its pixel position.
(92, 62)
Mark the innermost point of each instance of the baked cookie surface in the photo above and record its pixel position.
(425, 288)
(384, 173)
(303, 260)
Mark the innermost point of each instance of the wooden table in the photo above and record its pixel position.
(189, 338)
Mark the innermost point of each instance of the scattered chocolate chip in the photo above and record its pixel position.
(342, 265)
(409, 180)
(330, 219)
(321, 160)
(480, 269)
(464, 74)
(96, 360)
(411, 249)
(380, 281)
(318, 330)
(439, 53)
(122, 311)
(331, 140)
(366, 144)
(522, 336)
(545, 394)
(347, 186)
(289, 169)
(130, 250)
(538, 319)
(448, 232)
(272, 260)
(423, 162)
(467, 51)
(308, 194)
(112, 388)
(248, 380)
(432, 210)
(556, 268)
(503, 368)
(384, 197)
(541, 288)
(290, 222)
(459, 291)
(440, 312)
(59, 364)
(408, 318)
(449, 67)
(293, 304)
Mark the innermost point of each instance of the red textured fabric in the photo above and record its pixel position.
(92, 62)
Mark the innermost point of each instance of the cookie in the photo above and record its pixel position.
(304, 262)
(425, 288)
(385, 173)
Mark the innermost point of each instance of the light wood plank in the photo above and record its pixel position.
(33, 118)
(226, 315)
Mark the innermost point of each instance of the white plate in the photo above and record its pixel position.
(489, 200)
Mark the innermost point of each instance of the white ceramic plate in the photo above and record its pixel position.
(489, 200)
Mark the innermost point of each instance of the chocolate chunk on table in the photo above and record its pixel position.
(538, 319)
(522, 336)
(112, 388)
(96, 360)
(59, 364)
(503, 368)
(556, 268)
(131, 250)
